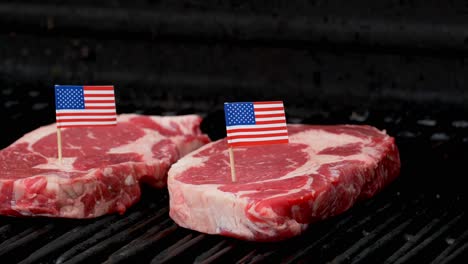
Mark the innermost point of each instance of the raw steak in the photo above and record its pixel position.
(101, 167)
(281, 189)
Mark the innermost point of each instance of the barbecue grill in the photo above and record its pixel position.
(396, 65)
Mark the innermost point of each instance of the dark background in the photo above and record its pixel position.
(397, 65)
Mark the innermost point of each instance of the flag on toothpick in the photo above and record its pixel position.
(85, 106)
(255, 123)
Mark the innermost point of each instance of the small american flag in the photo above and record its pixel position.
(255, 123)
(85, 106)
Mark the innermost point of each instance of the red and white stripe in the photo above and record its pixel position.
(99, 109)
(270, 127)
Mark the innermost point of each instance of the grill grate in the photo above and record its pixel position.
(418, 218)
(391, 227)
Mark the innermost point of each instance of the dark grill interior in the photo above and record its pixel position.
(420, 218)
(397, 65)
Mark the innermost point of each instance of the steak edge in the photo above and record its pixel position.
(102, 167)
(281, 189)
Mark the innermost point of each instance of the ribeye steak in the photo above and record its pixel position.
(101, 168)
(281, 189)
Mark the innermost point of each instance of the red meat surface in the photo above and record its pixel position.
(102, 167)
(281, 189)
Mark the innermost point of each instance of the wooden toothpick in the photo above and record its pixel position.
(233, 170)
(59, 144)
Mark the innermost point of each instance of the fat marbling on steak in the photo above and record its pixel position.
(101, 169)
(282, 188)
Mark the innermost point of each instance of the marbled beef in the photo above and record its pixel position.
(102, 167)
(281, 189)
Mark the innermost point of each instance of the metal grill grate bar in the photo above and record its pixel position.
(365, 240)
(69, 238)
(109, 231)
(178, 248)
(117, 238)
(455, 254)
(9, 244)
(319, 241)
(415, 251)
(337, 229)
(253, 257)
(144, 242)
(215, 253)
(361, 257)
(452, 248)
(16, 243)
(410, 243)
(4, 230)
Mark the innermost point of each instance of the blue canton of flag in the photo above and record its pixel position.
(239, 114)
(69, 97)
